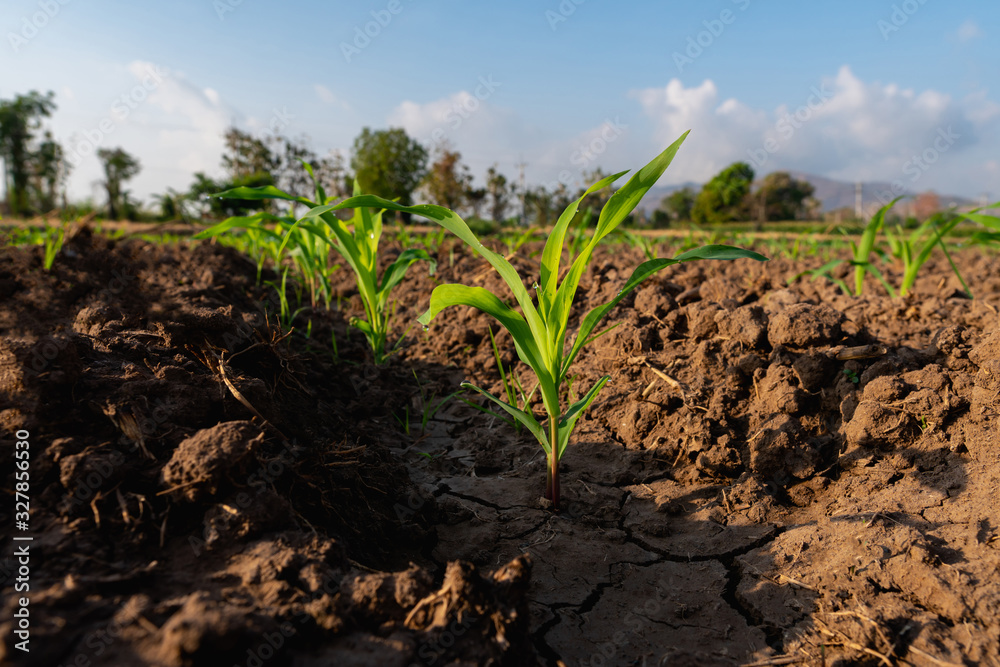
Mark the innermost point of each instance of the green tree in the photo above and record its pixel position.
(782, 197)
(20, 119)
(475, 197)
(246, 156)
(678, 204)
(448, 181)
(173, 205)
(119, 167)
(332, 175)
(389, 163)
(539, 202)
(500, 192)
(49, 171)
(723, 199)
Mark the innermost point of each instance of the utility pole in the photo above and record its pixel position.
(858, 212)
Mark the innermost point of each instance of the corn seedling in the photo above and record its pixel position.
(862, 252)
(356, 240)
(53, 241)
(515, 241)
(644, 243)
(913, 249)
(285, 315)
(540, 330)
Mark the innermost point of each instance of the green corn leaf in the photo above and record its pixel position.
(991, 221)
(320, 192)
(364, 236)
(864, 249)
(552, 253)
(823, 271)
(912, 264)
(601, 333)
(242, 222)
(508, 388)
(453, 223)
(362, 325)
(524, 417)
(499, 416)
(445, 296)
(868, 266)
(628, 196)
(721, 252)
(641, 272)
(568, 420)
(397, 270)
(262, 192)
(954, 268)
(301, 224)
(615, 211)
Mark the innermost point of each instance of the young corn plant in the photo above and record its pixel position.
(915, 249)
(356, 240)
(541, 329)
(862, 258)
(53, 241)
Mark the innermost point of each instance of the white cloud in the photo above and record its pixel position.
(841, 128)
(853, 129)
(968, 31)
(171, 125)
(482, 132)
(326, 96)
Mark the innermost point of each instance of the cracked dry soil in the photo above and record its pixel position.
(776, 474)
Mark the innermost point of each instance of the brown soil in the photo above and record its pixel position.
(775, 474)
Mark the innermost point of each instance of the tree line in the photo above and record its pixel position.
(388, 163)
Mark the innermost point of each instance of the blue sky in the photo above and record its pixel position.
(906, 91)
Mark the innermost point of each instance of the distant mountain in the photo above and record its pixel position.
(832, 194)
(838, 194)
